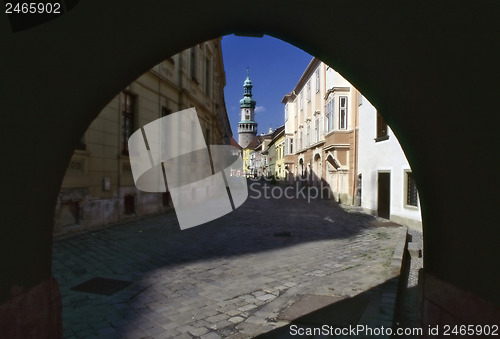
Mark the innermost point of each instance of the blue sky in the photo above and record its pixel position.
(275, 68)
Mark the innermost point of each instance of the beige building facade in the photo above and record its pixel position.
(98, 187)
(320, 132)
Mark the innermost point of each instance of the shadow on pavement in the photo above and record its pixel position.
(366, 315)
(136, 249)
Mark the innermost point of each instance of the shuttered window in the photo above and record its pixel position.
(411, 191)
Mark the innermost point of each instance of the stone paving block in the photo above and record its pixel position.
(247, 307)
(198, 331)
(233, 312)
(211, 335)
(182, 318)
(248, 328)
(185, 328)
(155, 331)
(203, 313)
(236, 320)
(217, 318)
(272, 291)
(255, 320)
(258, 293)
(220, 325)
(225, 309)
(266, 297)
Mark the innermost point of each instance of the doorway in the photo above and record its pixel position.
(384, 195)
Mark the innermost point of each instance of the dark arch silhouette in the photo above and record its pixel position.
(431, 68)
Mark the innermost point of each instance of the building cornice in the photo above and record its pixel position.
(339, 131)
(337, 90)
(332, 146)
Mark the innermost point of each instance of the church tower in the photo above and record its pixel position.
(247, 127)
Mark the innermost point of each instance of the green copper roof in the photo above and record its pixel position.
(248, 82)
(247, 101)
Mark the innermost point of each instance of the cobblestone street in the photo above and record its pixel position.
(232, 277)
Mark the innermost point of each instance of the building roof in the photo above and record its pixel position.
(255, 142)
(276, 134)
(235, 143)
(313, 64)
(278, 131)
(287, 97)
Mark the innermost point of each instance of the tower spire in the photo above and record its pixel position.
(247, 87)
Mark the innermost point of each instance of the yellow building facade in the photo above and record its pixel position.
(98, 188)
(279, 145)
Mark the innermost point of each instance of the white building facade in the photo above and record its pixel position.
(385, 181)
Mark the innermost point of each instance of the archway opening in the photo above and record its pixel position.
(130, 112)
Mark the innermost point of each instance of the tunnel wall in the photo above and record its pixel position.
(431, 69)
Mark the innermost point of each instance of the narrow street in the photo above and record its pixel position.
(239, 276)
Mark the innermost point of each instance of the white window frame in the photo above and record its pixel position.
(343, 112)
(330, 105)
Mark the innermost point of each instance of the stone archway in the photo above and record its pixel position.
(423, 66)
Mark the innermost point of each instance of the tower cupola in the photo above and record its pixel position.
(247, 101)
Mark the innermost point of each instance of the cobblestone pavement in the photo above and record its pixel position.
(231, 277)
